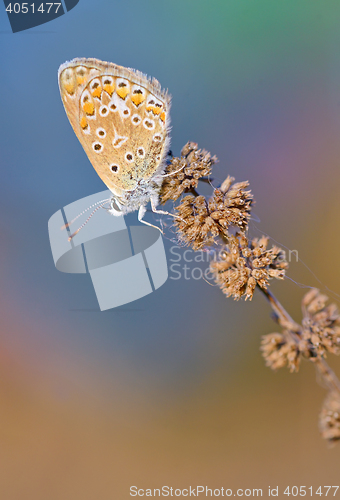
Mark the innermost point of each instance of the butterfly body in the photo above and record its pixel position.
(122, 120)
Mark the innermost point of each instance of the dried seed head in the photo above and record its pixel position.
(231, 204)
(196, 228)
(194, 164)
(329, 420)
(279, 350)
(202, 221)
(321, 324)
(244, 264)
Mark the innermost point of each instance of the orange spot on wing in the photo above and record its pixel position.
(155, 109)
(83, 122)
(88, 107)
(69, 87)
(122, 92)
(137, 99)
(97, 92)
(80, 79)
(109, 89)
(162, 117)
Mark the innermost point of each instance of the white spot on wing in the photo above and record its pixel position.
(148, 124)
(118, 141)
(103, 110)
(157, 138)
(97, 147)
(129, 157)
(136, 119)
(101, 132)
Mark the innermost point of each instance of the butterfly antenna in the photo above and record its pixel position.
(65, 226)
(173, 173)
(102, 203)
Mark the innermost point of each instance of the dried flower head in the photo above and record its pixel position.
(201, 220)
(193, 165)
(244, 264)
(279, 350)
(196, 228)
(329, 421)
(321, 324)
(231, 204)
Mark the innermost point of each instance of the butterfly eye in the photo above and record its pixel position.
(116, 209)
(114, 168)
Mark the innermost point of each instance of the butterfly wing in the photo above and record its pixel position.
(120, 117)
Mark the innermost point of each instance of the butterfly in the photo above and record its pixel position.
(122, 119)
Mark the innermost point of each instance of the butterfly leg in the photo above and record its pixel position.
(141, 213)
(154, 202)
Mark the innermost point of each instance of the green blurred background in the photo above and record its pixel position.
(171, 389)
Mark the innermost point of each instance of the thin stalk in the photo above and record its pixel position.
(283, 317)
(331, 380)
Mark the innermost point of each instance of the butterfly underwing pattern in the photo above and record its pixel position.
(121, 118)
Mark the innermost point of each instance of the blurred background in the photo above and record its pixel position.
(170, 389)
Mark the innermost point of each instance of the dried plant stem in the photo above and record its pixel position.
(329, 377)
(244, 264)
(285, 320)
(283, 317)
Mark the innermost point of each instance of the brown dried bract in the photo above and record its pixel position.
(279, 350)
(320, 324)
(196, 228)
(244, 264)
(201, 221)
(193, 165)
(329, 420)
(231, 204)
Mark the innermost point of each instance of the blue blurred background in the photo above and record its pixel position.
(170, 389)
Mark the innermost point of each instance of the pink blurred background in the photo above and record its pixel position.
(171, 389)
